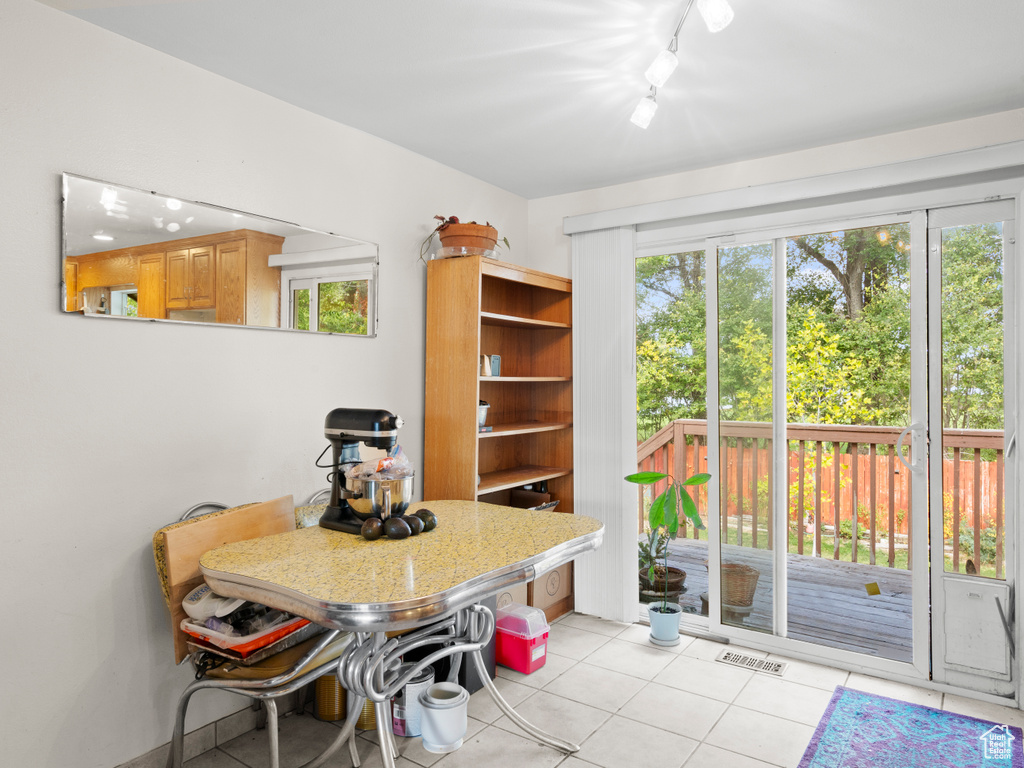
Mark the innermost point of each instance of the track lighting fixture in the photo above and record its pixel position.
(645, 109)
(717, 15)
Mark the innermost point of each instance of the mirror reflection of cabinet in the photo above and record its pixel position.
(248, 290)
(224, 274)
(151, 286)
(190, 278)
(71, 282)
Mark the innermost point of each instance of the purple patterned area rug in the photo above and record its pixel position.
(861, 730)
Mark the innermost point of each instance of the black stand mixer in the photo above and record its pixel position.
(353, 500)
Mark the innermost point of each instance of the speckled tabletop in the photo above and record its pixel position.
(342, 580)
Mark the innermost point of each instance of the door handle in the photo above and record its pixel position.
(1007, 622)
(899, 449)
(1011, 445)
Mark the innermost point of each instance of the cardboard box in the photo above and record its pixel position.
(516, 594)
(552, 586)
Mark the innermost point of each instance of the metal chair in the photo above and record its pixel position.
(176, 552)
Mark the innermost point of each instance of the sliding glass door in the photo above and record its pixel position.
(820, 501)
(972, 375)
(848, 399)
(858, 379)
(745, 396)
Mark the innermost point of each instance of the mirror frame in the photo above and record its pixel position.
(363, 257)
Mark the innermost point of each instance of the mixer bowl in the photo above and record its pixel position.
(370, 501)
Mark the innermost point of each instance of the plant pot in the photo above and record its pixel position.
(468, 236)
(654, 591)
(664, 626)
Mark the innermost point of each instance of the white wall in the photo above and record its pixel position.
(549, 249)
(108, 429)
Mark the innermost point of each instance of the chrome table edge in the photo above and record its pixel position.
(404, 614)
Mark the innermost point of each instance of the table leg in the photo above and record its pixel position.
(345, 734)
(369, 670)
(542, 736)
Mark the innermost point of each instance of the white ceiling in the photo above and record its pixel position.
(535, 96)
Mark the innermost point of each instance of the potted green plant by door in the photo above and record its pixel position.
(663, 518)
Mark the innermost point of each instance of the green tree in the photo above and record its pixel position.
(343, 307)
(848, 330)
(671, 340)
(972, 327)
(858, 265)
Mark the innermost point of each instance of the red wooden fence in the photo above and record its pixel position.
(871, 480)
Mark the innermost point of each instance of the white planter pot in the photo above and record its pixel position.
(664, 626)
(444, 719)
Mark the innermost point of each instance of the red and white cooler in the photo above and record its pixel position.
(522, 638)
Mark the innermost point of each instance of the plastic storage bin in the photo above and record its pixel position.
(522, 642)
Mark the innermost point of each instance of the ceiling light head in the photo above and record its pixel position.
(717, 14)
(108, 198)
(102, 237)
(661, 68)
(645, 110)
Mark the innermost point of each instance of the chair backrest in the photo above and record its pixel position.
(178, 547)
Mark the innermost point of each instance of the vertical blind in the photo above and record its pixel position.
(604, 405)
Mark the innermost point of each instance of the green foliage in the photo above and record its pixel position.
(302, 309)
(988, 543)
(653, 549)
(972, 327)
(670, 339)
(343, 307)
(848, 330)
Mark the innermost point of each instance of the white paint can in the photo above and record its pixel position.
(406, 711)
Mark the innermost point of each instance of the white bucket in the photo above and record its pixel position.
(443, 719)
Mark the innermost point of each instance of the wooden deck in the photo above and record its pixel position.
(828, 602)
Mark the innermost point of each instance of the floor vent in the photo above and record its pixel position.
(752, 662)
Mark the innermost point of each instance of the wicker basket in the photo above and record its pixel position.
(738, 584)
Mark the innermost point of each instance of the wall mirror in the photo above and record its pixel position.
(133, 254)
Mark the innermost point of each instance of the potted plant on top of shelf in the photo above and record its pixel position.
(453, 233)
(663, 518)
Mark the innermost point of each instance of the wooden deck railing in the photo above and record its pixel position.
(839, 476)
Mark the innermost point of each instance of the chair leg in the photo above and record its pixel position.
(261, 714)
(273, 735)
(176, 754)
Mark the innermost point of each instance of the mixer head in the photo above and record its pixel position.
(375, 428)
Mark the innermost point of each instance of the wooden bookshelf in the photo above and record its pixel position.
(478, 306)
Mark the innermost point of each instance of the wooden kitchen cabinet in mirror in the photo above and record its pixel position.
(129, 253)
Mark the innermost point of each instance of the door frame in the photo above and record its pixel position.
(657, 238)
(918, 667)
(939, 218)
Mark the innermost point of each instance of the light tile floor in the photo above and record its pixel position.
(627, 703)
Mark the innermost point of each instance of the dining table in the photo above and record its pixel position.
(423, 593)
